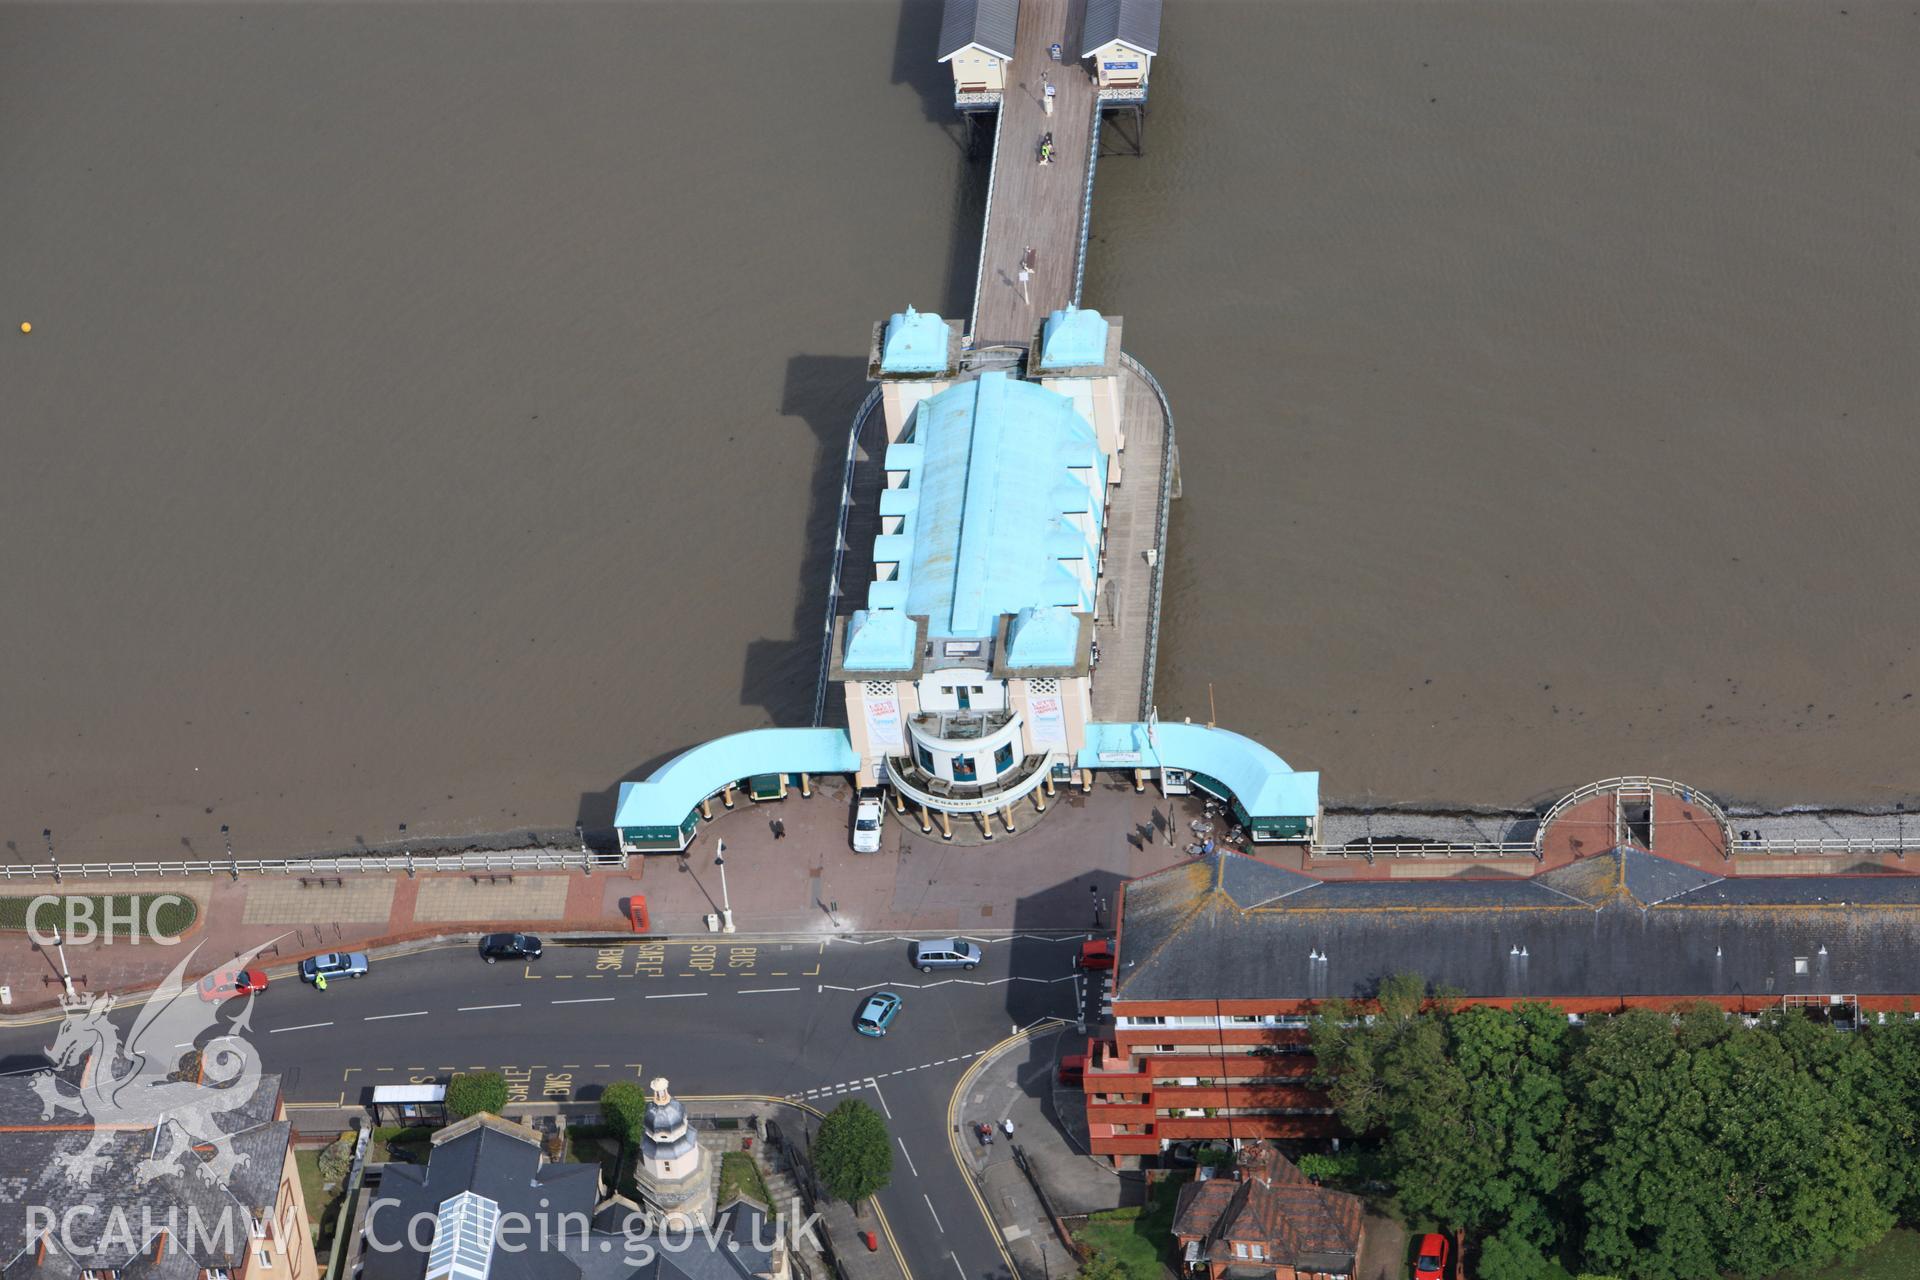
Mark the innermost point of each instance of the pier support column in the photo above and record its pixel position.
(1039, 804)
(806, 785)
(1049, 783)
(946, 827)
(1139, 782)
(706, 808)
(900, 805)
(726, 796)
(1006, 816)
(986, 825)
(1086, 780)
(926, 822)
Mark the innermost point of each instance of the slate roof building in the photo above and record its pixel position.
(248, 1223)
(1220, 960)
(1267, 1221)
(488, 1206)
(1122, 38)
(976, 40)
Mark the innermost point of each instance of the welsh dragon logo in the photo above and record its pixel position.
(128, 1086)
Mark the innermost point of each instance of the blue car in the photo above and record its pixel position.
(877, 1013)
(335, 964)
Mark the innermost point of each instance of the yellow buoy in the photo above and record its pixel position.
(25, 327)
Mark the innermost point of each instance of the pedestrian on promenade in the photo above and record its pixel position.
(779, 829)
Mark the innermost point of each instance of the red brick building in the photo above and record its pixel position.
(1221, 960)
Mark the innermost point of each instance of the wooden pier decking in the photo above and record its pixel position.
(1129, 607)
(1031, 205)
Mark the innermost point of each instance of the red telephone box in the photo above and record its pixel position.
(637, 913)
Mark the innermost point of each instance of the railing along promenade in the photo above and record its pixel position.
(353, 864)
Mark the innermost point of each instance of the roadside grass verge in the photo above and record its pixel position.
(172, 914)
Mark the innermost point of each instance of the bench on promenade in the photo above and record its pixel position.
(506, 877)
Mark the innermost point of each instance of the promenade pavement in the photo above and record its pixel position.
(1018, 1083)
(790, 871)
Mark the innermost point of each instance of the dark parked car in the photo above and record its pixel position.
(509, 946)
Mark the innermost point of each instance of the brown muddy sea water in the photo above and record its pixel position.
(433, 412)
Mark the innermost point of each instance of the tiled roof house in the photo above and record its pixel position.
(1265, 1220)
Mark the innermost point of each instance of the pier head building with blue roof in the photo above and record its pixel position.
(967, 670)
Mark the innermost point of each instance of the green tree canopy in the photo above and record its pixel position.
(624, 1106)
(1661, 1145)
(852, 1153)
(471, 1092)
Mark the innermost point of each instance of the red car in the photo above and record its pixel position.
(1097, 954)
(1430, 1260)
(225, 984)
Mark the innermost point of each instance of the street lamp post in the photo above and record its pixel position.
(60, 946)
(47, 834)
(726, 904)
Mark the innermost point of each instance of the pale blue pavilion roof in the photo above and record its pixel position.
(676, 787)
(1072, 337)
(1047, 637)
(990, 453)
(915, 342)
(880, 639)
(1261, 781)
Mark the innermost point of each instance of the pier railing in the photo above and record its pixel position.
(986, 222)
(1086, 205)
(860, 417)
(364, 864)
(1425, 849)
(1820, 846)
(1169, 460)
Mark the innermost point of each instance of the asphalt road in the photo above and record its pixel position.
(746, 1016)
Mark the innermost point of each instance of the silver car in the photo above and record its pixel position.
(943, 953)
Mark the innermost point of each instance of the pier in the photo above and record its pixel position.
(1031, 206)
(993, 614)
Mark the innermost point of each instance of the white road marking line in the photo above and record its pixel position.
(585, 1000)
(956, 1265)
(305, 1026)
(936, 1217)
(382, 1017)
(476, 1008)
(677, 995)
(907, 1154)
(764, 991)
(875, 1085)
